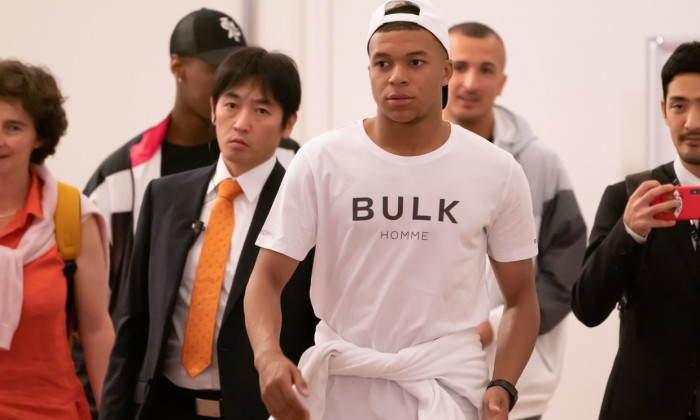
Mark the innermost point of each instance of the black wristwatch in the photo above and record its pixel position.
(510, 389)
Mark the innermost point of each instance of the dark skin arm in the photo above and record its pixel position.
(516, 334)
(263, 322)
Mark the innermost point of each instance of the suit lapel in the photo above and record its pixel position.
(249, 253)
(187, 201)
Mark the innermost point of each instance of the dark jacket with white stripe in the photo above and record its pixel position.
(118, 185)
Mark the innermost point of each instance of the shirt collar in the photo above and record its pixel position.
(31, 207)
(685, 177)
(251, 181)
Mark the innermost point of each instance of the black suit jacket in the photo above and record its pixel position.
(657, 286)
(145, 305)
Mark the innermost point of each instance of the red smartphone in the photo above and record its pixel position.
(688, 207)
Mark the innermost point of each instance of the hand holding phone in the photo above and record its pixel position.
(688, 203)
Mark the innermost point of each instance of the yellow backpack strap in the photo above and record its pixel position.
(67, 224)
(67, 221)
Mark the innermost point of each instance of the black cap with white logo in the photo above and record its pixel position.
(206, 34)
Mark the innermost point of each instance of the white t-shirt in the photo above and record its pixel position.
(400, 241)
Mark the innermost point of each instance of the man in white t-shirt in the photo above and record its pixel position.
(402, 209)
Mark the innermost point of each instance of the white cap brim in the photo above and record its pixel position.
(428, 18)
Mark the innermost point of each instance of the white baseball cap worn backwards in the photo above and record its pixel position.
(421, 12)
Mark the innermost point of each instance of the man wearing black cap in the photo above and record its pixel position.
(183, 140)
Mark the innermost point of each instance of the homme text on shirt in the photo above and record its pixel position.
(403, 235)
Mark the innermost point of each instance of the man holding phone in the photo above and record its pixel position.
(650, 269)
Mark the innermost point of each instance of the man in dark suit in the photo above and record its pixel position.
(152, 372)
(651, 269)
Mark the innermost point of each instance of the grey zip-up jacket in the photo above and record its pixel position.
(561, 243)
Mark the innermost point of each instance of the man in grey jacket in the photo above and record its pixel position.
(479, 62)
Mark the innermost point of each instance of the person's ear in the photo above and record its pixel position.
(213, 109)
(503, 83)
(177, 67)
(447, 72)
(663, 110)
(289, 125)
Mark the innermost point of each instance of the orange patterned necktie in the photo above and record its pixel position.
(199, 332)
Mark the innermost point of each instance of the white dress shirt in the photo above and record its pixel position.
(685, 177)
(244, 205)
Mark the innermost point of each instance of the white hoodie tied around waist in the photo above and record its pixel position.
(36, 241)
(425, 371)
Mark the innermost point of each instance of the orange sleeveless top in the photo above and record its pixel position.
(37, 375)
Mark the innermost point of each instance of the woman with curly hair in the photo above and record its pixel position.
(37, 376)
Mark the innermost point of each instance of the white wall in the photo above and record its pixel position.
(576, 72)
(112, 62)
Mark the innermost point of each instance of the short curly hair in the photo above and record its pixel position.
(38, 93)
